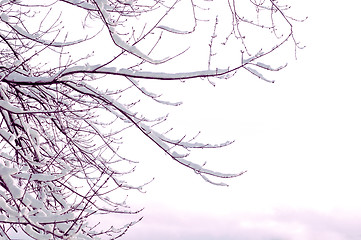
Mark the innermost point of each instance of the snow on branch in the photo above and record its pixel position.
(18, 78)
(36, 37)
(68, 100)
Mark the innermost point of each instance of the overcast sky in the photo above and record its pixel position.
(299, 139)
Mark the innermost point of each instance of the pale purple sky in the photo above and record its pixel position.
(299, 139)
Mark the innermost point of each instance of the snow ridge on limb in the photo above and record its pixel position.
(36, 37)
(22, 79)
(150, 94)
(117, 40)
(165, 143)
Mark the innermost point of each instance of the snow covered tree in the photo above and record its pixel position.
(61, 127)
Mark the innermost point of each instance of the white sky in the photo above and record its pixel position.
(299, 139)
